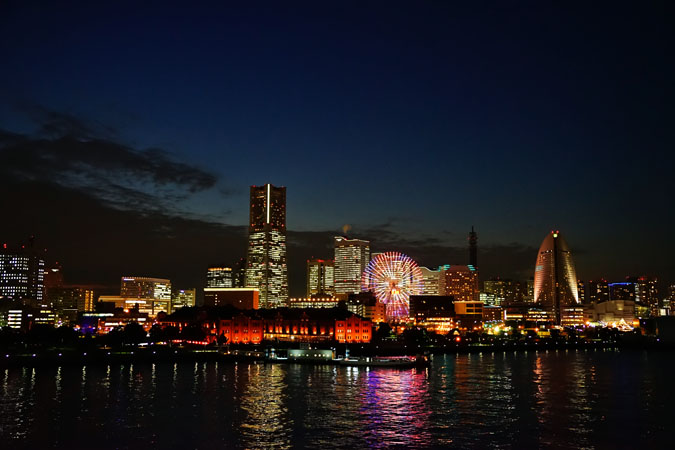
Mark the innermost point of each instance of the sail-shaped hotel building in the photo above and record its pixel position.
(555, 279)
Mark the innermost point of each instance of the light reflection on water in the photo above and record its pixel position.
(555, 399)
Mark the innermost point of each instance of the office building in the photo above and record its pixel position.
(155, 292)
(219, 277)
(22, 274)
(181, 298)
(68, 300)
(351, 259)
(555, 278)
(266, 259)
(431, 281)
(503, 291)
(320, 277)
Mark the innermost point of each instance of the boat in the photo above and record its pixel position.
(401, 362)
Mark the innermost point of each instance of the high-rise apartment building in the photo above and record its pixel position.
(156, 290)
(351, 259)
(320, 277)
(461, 282)
(266, 259)
(219, 276)
(22, 274)
(555, 278)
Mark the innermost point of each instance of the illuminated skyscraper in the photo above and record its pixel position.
(555, 279)
(22, 274)
(320, 277)
(219, 276)
(351, 259)
(266, 261)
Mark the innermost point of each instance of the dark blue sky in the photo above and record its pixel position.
(418, 118)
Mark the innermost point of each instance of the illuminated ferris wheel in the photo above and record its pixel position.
(393, 277)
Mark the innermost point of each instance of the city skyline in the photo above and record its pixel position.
(316, 224)
(473, 121)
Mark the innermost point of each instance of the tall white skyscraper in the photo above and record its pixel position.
(351, 259)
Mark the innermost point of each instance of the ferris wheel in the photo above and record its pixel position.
(393, 277)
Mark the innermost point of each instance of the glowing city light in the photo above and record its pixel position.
(393, 277)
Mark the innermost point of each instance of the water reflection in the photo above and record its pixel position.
(394, 409)
(266, 423)
(506, 400)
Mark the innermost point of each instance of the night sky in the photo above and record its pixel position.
(129, 134)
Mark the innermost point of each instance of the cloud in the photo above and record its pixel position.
(117, 174)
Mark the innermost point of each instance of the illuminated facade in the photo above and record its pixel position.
(320, 277)
(646, 293)
(431, 281)
(181, 298)
(351, 259)
(155, 292)
(434, 312)
(266, 259)
(313, 302)
(612, 311)
(219, 277)
(148, 306)
(503, 292)
(67, 301)
(22, 275)
(353, 330)
(312, 326)
(461, 282)
(555, 279)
